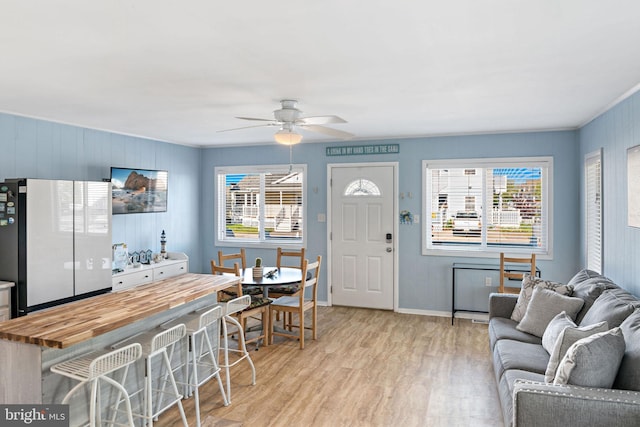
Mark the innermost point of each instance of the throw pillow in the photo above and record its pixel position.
(554, 328)
(589, 293)
(614, 305)
(592, 361)
(583, 275)
(562, 333)
(629, 373)
(528, 284)
(544, 306)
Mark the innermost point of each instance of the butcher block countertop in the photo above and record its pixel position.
(72, 323)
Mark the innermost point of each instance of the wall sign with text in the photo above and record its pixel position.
(356, 150)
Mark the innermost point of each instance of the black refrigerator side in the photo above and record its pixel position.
(13, 242)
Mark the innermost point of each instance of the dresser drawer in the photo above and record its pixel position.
(129, 280)
(170, 270)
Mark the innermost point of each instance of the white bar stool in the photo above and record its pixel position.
(159, 343)
(94, 367)
(230, 308)
(202, 364)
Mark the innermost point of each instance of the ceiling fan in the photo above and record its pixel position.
(289, 117)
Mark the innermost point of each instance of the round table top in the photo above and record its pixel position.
(282, 276)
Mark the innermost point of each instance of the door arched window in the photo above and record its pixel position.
(362, 187)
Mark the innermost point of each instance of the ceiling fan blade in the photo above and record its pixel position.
(328, 131)
(254, 119)
(247, 127)
(320, 120)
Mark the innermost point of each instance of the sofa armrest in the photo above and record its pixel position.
(502, 305)
(540, 404)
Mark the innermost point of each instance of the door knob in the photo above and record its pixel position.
(389, 249)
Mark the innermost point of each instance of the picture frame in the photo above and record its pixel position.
(138, 190)
(633, 186)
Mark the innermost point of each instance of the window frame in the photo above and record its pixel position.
(262, 242)
(592, 159)
(483, 250)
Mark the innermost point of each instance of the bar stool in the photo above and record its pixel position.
(231, 307)
(201, 365)
(94, 367)
(159, 343)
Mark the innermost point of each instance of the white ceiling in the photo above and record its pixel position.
(179, 71)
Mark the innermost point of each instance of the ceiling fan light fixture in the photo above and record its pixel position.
(287, 137)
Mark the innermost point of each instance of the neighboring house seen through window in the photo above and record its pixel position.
(260, 205)
(487, 205)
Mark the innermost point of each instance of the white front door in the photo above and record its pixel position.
(362, 235)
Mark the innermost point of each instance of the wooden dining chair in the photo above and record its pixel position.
(305, 300)
(242, 259)
(240, 256)
(259, 306)
(294, 259)
(514, 275)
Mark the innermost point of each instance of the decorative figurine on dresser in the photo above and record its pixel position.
(163, 244)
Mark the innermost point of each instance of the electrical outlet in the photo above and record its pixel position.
(487, 281)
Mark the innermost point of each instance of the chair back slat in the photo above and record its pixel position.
(297, 255)
(240, 256)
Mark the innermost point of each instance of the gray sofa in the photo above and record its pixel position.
(520, 362)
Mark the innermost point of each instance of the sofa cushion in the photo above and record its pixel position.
(613, 306)
(544, 306)
(561, 334)
(628, 377)
(589, 291)
(586, 274)
(529, 283)
(506, 388)
(501, 328)
(510, 354)
(592, 361)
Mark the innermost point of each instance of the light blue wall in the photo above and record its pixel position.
(38, 149)
(614, 132)
(424, 281)
(32, 148)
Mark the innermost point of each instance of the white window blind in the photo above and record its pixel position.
(495, 205)
(258, 204)
(593, 211)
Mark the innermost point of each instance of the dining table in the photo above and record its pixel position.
(271, 277)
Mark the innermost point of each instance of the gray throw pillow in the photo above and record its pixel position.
(561, 334)
(554, 328)
(583, 275)
(589, 292)
(592, 361)
(544, 306)
(529, 283)
(629, 373)
(614, 305)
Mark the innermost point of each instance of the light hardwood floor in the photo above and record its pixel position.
(367, 368)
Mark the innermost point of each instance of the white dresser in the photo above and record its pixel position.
(177, 263)
(5, 300)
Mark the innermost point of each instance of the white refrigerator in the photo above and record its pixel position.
(55, 241)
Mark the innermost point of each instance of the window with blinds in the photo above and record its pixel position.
(492, 205)
(593, 211)
(260, 204)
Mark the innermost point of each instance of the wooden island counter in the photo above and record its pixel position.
(30, 345)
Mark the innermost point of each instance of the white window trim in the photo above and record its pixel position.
(499, 162)
(592, 158)
(219, 213)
